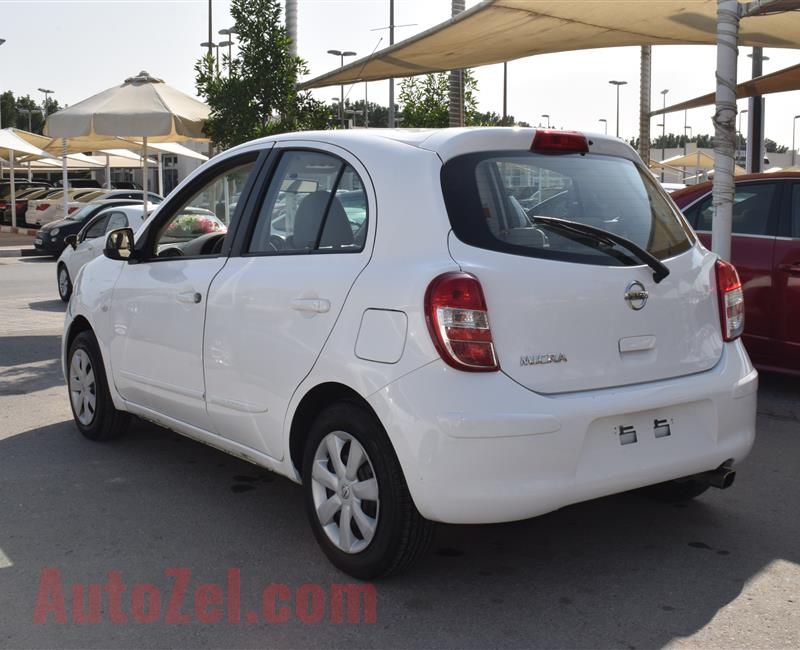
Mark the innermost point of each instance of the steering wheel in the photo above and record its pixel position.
(171, 252)
(276, 243)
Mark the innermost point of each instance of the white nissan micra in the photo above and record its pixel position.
(463, 325)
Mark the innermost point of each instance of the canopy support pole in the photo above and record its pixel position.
(13, 190)
(30, 171)
(64, 175)
(644, 104)
(108, 172)
(144, 170)
(160, 175)
(725, 126)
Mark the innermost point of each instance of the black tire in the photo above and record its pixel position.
(673, 491)
(65, 287)
(402, 535)
(106, 422)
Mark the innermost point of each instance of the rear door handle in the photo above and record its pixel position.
(311, 305)
(793, 269)
(190, 297)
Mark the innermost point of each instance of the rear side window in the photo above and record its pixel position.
(796, 210)
(493, 200)
(752, 206)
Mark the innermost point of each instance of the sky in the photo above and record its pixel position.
(80, 47)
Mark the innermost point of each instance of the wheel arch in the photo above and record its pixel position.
(312, 403)
(79, 324)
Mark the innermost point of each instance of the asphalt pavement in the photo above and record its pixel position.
(156, 511)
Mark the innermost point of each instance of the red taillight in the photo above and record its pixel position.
(42, 206)
(71, 210)
(20, 205)
(459, 322)
(548, 142)
(3, 205)
(731, 301)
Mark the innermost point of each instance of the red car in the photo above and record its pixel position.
(765, 249)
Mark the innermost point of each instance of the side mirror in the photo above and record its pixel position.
(119, 244)
(71, 240)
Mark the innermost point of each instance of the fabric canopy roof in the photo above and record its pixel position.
(775, 82)
(142, 106)
(176, 149)
(503, 30)
(10, 140)
(700, 160)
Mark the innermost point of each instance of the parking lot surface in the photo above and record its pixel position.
(154, 508)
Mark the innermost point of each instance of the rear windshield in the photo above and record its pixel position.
(494, 198)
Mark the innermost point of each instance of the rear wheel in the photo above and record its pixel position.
(92, 407)
(356, 496)
(672, 491)
(64, 283)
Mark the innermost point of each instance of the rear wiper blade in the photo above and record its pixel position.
(660, 270)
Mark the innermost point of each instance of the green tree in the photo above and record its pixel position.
(773, 147)
(425, 100)
(8, 109)
(258, 96)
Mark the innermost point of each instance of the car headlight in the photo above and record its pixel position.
(54, 232)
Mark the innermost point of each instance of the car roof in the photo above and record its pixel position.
(447, 143)
(694, 191)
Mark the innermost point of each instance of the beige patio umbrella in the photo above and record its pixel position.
(143, 107)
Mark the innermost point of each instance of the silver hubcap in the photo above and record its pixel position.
(345, 492)
(63, 282)
(82, 387)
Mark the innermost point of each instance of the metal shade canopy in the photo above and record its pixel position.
(502, 30)
(775, 82)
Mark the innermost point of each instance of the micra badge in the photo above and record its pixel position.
(541, 359)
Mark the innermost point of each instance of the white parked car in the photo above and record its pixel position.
(51, 208)
(89, 242)
(434, 352)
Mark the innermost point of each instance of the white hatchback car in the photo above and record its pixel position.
(90, 241)
(462, 325)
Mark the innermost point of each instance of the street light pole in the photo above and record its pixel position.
(391, 81)
(794, 128)
(605, 124)
(341, 56)
(617, 84)
(2, 40)
(663, 128)
(209, 45)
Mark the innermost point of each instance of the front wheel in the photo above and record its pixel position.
(64, 283)
(92, 407)
(356, 496)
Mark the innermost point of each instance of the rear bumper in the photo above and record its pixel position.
(480, 448)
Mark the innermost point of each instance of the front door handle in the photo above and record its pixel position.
(192, 297)
(311, 305)
(792, 269)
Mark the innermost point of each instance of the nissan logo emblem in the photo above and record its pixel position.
(636, 295)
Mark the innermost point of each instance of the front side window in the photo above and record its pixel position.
(315, 202)
(501, 201)
(752, 205)
(96, 228)
(199, 225)
(796, 210)
(116, 220)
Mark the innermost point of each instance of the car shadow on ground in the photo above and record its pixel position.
(621, 571)
(29, 363)
(56, 305)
